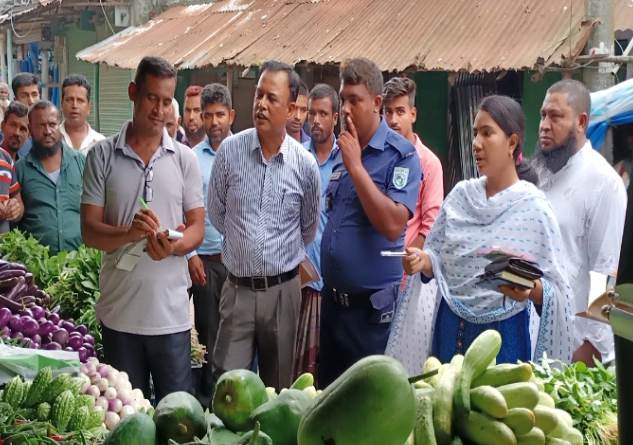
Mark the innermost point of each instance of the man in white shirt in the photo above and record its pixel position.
(75, 129)
(589, 200)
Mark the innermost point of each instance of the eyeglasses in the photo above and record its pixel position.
(148, 193)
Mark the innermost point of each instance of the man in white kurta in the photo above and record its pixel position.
(589, 200)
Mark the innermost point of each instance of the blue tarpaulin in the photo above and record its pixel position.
(610, 107)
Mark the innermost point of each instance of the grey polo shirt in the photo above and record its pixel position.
(152, 298)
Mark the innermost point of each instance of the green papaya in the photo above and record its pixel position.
(279, 418)
(180, 417)
(372, 403)
(137, 429)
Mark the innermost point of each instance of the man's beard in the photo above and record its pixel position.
(194, 134)
(555, 159)
(42, 152)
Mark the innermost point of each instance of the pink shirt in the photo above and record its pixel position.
(431, 194)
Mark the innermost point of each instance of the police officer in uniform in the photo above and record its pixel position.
(371, 195)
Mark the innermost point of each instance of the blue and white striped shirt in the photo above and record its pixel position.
(269, 210)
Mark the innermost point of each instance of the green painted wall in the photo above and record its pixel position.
(533, 95)
(432, 105)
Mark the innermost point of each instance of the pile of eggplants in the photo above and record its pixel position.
(25, 316)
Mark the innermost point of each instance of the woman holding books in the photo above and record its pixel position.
(496, 213)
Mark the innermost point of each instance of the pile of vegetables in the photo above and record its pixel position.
(478, 401)
(70, 279)
(37, 327)
(56, 400)
(68, 408)
(588, 394)
(112, 392)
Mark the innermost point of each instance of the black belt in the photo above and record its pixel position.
(263, 283)
(351, 300)
(217, 258)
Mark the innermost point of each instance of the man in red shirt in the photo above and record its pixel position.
(400, 114)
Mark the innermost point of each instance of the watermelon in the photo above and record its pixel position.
(179, 417)
(136, 429)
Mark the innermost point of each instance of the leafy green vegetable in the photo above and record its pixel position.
(70, 278)
(588, 394)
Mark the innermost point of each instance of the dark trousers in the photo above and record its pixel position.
(206, 302)
(167, 358)
(347, 335)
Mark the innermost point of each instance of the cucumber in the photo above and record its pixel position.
(544, 399)
(303, 381)
(546, 419)
(564, 417)
(554, 441)
(431, 364)
(489, 400)
(504, 374)
(478, 357)
(520, 395)
(483, 430)
(570, 434)
(423, 432)
(520, 420)
(443, 402)
(534, 437)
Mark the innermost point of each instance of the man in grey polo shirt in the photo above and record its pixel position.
(264, 197)
(137, 184)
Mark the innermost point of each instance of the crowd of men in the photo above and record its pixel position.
(261, 210)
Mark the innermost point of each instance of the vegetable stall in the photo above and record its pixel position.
(47, 310)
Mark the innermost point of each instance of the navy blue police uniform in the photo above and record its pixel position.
(361, 286)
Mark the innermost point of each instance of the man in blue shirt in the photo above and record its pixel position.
(323, 105)
(371, 195)
(205, 265)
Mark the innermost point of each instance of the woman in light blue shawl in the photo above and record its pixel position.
(496, 212)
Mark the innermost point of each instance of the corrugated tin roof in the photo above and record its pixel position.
(473, 35)
(11, 10)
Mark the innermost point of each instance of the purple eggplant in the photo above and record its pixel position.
(89, 339)
(5, 316)
(17, 335)
(83, 354)
(60, 336)
(8, 283)
(54, 317)
(46, 339)
(52, 346)
(5, 332)
(29, 325)
(82, 329)
(27, 342)
(46, 328)
(17, 290)
(15, 323)
(68, 325)
(38, 312)
(11, 273)
(69, 349)
(26, 311)
(75, 342)
(37, 338)
(27, 300)
(10, 304)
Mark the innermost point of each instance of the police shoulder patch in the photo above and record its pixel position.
(400, 177)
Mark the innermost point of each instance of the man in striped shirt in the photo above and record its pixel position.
(264, 198)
